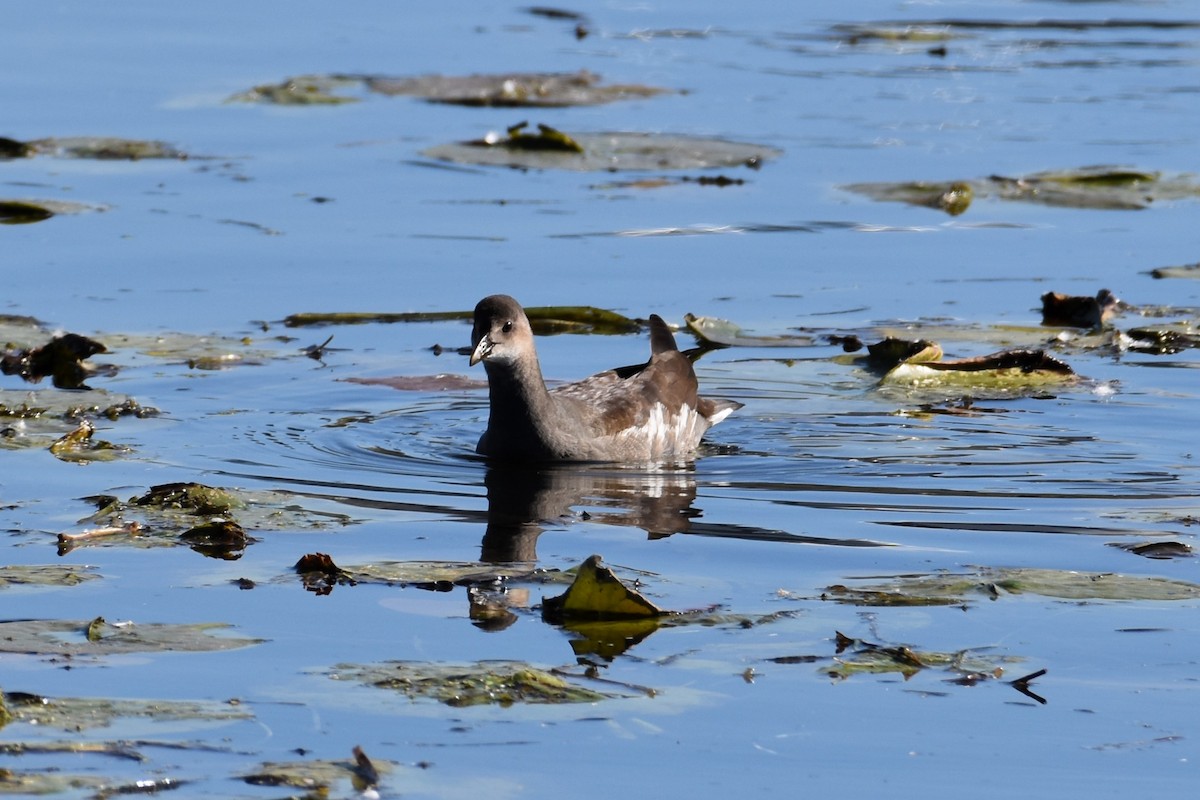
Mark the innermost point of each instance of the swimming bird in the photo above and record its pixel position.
(650, 413)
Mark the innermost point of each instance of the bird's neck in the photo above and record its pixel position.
(517, 393)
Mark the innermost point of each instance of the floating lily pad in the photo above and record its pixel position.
(1007, 371)
(543, 319)
(74, 714)
(1182, 271)
(20, 212)
(857, 657)
(106, 148)
(51, 418)
(541, 90)
(321, 775)
(80, 446)
(993, 583)
(505, 90)
(722, 333)
(501, 683)
(98, 637)
(1104, 188)
(607, 151)
(45, 575)
(211, 520)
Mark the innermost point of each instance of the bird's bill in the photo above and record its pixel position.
(482, 350)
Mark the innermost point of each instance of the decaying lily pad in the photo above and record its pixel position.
(45, 575)
(45, 419)
(20, 212)
(74, 714)
(1158, 550)
(1182, 271)
(201, 352)
(106, 148)
(506, 90)
(81, 447)
(1163, 340)
(320, 574)
(886, 354)
(38, 782)
(543, 319)
(606, 151)
(857, 656)
(1106, 188)
(722, 333)
(1079, 311)
(1005, 371)
(321, 775)
(98, 637)
(993, 583)
(211, 520)
(501, 683)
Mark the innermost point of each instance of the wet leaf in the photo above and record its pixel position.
(722, 333)
(45, 575)
(501, 683)
(598, 594)
(609, 151)
(98, 637)
(994, 583)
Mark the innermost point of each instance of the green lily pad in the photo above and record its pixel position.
(480, 683)
(81, 447)
(45, 575)
(98, 637)
(607, 152)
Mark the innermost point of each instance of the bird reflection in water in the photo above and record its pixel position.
(524, 500)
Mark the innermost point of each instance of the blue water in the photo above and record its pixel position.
(821, 479)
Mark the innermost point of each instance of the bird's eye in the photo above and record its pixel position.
(507, 327)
